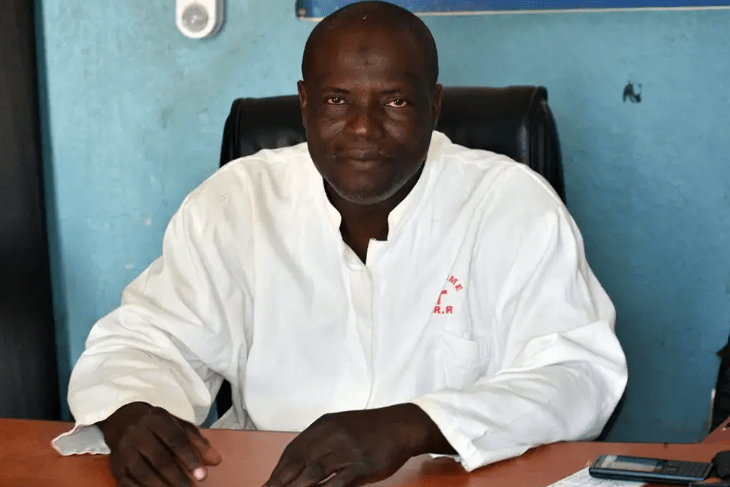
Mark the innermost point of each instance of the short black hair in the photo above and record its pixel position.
(387, 15)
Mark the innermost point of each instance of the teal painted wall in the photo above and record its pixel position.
(134, 114)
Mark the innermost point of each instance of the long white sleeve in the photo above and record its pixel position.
(558, 370)
(169, 343)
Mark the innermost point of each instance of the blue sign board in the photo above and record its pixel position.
(321, 8)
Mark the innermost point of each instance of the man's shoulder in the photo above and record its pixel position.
(268, 161)
(490, 174)
(255, 179)
(462, 161)
(442, 146)
(268, 166)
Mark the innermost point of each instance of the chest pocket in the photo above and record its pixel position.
(457, 360)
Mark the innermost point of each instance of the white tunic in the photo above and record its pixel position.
(479, 307)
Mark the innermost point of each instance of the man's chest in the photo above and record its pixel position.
(351, 336)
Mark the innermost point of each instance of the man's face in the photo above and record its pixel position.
(369, 110)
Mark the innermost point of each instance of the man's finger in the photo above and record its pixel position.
(164, 462)
(210, 455)
(285, 471)
(311, 475)
(127, 482)
(177, 441)
(342, 478)
(141, 471)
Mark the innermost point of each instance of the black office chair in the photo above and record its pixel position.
(721, 401)
(515, 121)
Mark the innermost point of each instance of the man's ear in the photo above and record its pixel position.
(301, 89)
(436, 103)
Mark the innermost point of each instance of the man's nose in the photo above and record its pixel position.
(366, 120)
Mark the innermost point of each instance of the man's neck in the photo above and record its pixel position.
(360, 223)
(358, 227)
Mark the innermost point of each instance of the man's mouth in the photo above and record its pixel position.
(363, 164)
(362, 158)
(361, 155)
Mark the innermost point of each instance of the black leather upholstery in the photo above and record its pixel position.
(515, 121)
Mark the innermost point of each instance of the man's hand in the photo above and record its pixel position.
(150, 447)
(354, 447)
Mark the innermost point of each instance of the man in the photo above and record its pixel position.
(380, 289)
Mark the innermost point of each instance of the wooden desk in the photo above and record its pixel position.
(28, 460)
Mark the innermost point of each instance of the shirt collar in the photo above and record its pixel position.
(402, 213)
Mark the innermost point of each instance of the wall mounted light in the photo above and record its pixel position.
(197, 19)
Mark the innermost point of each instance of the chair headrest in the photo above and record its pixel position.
(515, 121)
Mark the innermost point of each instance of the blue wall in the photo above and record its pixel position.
(134, 114)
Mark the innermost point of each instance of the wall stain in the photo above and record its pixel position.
(165, 115)
(631, 94)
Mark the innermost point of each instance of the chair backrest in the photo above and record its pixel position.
(515, 121)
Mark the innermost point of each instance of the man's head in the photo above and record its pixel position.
(370, 100)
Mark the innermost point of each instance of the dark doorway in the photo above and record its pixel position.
(28, 371)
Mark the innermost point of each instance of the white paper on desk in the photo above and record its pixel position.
(582, 478)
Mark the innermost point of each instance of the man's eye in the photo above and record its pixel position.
(335, 100)
(397, 103)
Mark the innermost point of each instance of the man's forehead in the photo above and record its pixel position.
(353, 55)
(365, 39)
(368, 79)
